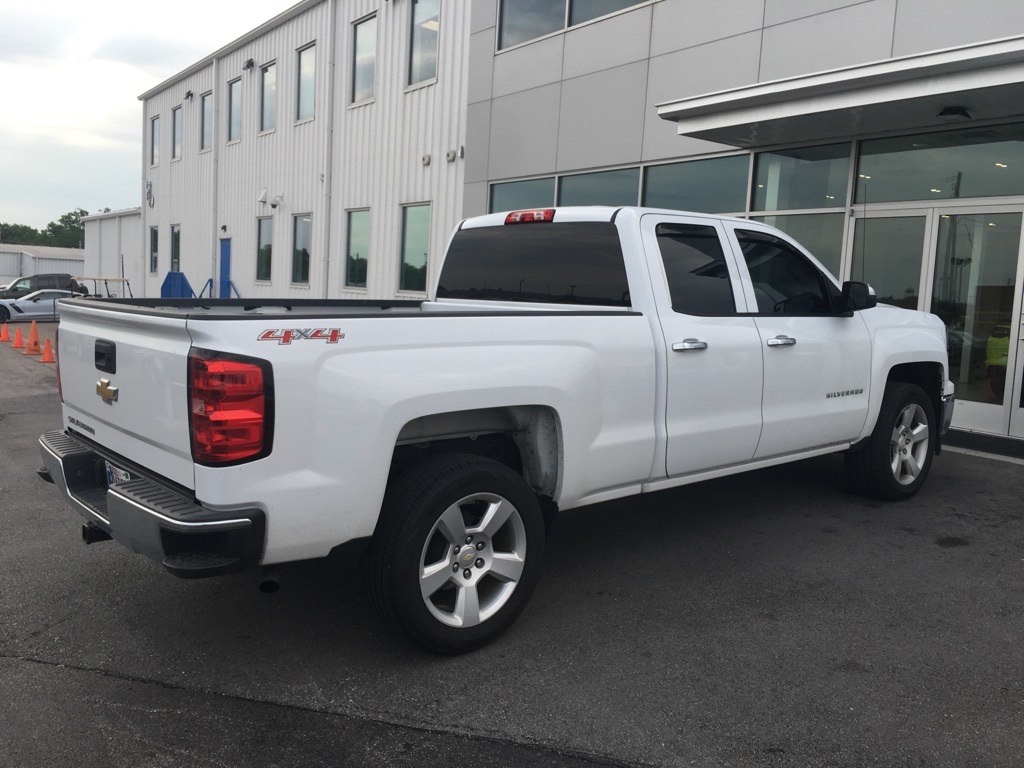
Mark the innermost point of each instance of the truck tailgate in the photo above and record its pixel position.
(124, 382)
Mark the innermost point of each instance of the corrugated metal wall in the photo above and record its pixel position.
(367, 156)
(114, 248)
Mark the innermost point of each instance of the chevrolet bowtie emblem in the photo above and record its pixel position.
(107, 392)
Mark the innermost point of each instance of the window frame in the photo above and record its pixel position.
(206, 121)
(402, 261)
(154, 141)
(412, 47)
(296, 219)
(177, 127)
(354, 98)
(234, 109)
(154, 250)
(175, 248)
(268, 85)
(300, 78)
(348, 284)
(260, 222)
(565, 25)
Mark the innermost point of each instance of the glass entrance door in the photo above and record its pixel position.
(962, 263)
(975, 290)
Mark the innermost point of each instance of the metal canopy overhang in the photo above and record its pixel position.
(895, 95)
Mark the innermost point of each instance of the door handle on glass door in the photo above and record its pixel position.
(689, 345)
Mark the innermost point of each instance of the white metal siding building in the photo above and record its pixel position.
(112, 248)
(217, 163)
(885, 135)
(24, 260)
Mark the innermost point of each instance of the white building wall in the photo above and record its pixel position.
(346, 157)
(584, 98)
(114, 248)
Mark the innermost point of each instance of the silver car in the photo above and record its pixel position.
(41, 305)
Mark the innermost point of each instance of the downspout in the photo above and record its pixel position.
(329, 154)
(215, 149)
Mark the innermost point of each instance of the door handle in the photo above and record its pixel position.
(781, 341)
(689, 345)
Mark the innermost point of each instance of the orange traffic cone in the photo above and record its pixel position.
(47, 353)
(19, 343)
(33, 334)
(33, 346)
(4, 335)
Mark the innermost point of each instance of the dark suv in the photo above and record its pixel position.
(32, 283)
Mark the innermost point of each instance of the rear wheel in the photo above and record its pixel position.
(457, 553)
(897, 457)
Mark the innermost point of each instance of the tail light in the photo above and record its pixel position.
(231, 401)
(525, 217)
(56, 361)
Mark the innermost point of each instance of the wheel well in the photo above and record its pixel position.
(928, 376)
(525, 438)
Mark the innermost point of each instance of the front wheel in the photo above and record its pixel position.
(897, 457)
(457, 553)
(4, 315)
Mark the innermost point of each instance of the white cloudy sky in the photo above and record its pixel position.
(70, 77)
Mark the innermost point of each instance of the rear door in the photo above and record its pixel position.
(817, 364)
(124, 382)
(713, 349)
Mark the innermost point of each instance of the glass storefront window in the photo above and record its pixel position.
(718, 185)
(887, 255)
(972, 162)
(619, 187)
(809, 177)
(523, 20)
(975, 270)
(819, 233)
(516, 195)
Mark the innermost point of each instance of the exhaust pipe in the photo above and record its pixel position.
(271, 581)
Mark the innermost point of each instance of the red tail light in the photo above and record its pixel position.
(56, 361)
(230, 407)
(524, 217)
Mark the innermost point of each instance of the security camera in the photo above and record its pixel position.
(276, 201)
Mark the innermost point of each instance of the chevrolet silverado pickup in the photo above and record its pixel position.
(564, 357)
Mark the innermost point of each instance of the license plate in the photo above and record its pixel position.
(116, 475)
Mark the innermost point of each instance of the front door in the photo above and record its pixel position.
(225, 268)
(975, 290)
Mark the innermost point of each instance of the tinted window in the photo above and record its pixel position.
(698, 278)
(784, 281)
(572, 262)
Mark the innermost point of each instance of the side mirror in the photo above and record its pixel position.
(859, 295)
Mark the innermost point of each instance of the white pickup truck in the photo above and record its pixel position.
(567, 356)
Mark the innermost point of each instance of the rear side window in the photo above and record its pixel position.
(558, 263)
(698, 278)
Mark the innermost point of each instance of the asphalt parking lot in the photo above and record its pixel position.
(772, 619)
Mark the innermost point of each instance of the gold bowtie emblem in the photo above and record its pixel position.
(105, 391)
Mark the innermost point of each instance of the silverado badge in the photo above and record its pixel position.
(105, 391)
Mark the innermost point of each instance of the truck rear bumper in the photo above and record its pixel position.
(190, 540)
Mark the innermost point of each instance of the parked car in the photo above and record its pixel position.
(23, 286)
(41, 305)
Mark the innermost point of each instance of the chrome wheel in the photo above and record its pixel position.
(910, 446)
(472, 560)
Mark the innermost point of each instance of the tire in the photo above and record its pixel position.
(896, 460)
(4, 315)
(457, 552)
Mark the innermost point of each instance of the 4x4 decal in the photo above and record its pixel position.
(288, 335)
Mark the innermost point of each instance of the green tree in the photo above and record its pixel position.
(20, 234)
(67, 231)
